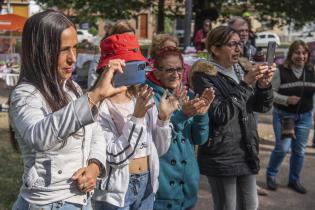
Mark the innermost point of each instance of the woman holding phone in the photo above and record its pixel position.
(54, 122)
(230, 157)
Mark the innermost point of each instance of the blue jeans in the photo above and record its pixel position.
(21, 204)
(303, 123)
(139, 195)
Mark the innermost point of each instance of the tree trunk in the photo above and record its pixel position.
(160, 23)
(188, 16)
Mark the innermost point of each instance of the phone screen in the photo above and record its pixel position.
(271, 50)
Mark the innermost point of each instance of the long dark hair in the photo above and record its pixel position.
(41, 40)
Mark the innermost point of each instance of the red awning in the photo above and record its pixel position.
(12, 22)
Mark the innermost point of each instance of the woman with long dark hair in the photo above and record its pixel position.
(54, 123)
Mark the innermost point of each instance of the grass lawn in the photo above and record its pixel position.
(11, 167)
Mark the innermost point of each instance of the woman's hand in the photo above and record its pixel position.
(104, 87)
(255, 74)
(168, 104)
(86, 177)
(265, 80)
(199, 105)
(293, 100)
(142, 106)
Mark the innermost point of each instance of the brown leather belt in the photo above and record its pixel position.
(139, 165)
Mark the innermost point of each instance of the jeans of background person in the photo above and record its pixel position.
(139, 195)
(21, 204)
(303, 123)
(234, 193)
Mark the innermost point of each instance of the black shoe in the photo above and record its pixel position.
(271, 183)
(297, 187)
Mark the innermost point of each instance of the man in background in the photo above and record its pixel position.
(240, 25)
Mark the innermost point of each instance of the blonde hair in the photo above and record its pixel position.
(158, 42)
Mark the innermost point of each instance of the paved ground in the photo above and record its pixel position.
(284, 198)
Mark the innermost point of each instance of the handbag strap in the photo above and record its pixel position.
(301, 94)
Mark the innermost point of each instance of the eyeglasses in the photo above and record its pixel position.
(179, 70)
(235, 44)
(243, 31)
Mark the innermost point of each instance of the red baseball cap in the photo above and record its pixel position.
(120, 46)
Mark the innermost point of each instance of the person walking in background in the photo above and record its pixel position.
(293, 86)
(136, 133)
(230, 157)
(200, 36)
(54, 123)
(179, 173)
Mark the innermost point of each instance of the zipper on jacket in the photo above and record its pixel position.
(82, 148)
(109, 176)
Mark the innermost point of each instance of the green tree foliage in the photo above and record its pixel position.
(284, 12)
(90, 9)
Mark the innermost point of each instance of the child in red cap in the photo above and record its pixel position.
(136, 133)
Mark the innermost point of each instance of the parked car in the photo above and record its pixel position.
(84, 35)
(264, 37)
(307, 36)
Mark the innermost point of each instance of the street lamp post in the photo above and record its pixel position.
(188, 16)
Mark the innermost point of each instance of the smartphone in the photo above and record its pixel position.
(271, 50)
(134, 73)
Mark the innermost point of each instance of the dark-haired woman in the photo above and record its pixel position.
(293, 86)
(54, 123)
(230, 157)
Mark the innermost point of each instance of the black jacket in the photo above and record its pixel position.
(232, 149)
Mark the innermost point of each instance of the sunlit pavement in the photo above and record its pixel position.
(284, 198)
